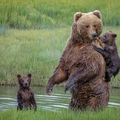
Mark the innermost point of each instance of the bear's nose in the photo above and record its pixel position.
(94, 35)
(25, 83)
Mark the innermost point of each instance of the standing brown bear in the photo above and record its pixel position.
(110, 54)
(81, 66)
(25, 95)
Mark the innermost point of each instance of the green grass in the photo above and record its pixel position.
(44, 13)
(63, 114)
(31, 51)
(36, 52)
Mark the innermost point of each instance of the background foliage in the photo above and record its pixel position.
(52, 13)
(47, 27)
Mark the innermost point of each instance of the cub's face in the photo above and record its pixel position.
(24, 80)
(108, 37)
(89, 25)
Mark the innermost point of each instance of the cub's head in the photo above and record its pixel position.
(89, 25)
(108, 37)
(24, 81)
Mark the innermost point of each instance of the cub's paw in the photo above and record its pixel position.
(95, 48)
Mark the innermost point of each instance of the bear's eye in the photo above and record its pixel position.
(94, 25)
(105, 36)
(87, 26)
(27, 80)
(22, 80)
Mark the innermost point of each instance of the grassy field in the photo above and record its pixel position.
(31, 51)
(44, 13)
(36, 52)
(63, 114)
(43, 28)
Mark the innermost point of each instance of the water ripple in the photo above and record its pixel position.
(54, 101)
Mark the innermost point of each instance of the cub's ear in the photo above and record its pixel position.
(97, 13)
(29, 75)
(114, 35)
(18, 75)
(77, 16)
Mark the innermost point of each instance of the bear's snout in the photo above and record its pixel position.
(94, 35)
(26, 84)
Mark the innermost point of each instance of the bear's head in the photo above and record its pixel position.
(24, 81)
(89, 25)
(108, 37)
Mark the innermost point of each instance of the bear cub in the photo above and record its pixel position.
(110, 54)
(25, 95)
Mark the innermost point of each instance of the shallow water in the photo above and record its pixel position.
(58, 98)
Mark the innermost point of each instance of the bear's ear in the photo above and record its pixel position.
(29, 75)
(77, 16)
(97, 13)
(18, 75)
(114, 35)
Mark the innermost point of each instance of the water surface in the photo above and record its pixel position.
(57, 99)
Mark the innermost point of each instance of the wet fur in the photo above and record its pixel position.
(110, 55)
(25, 95)
(83, 68)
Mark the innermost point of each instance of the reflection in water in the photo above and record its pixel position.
(57, 99)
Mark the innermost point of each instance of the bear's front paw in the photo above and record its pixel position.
(68, 85)
(66, 88)
(49, 89)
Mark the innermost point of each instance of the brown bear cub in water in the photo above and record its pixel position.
(110, 55)
(25, 95)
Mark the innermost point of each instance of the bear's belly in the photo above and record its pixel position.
(94, 87)
(26, 95)
(94, 93)
(84, 57)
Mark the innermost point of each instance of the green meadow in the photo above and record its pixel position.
(63, 114)
(36, 52)
(28, 14)
(33, 35)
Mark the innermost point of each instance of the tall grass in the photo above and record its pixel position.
(63, 114)
(36, 52)
(31, 51)
(51, 13)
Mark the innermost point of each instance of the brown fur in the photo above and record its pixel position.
(110, 55)
(81, 66)
(25, 95)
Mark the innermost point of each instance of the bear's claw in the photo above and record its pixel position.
(48, 91)
(66, 88)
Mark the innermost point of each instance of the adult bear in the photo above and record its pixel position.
(81, 66)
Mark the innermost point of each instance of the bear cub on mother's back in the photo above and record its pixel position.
(25, 95)
(110, 55)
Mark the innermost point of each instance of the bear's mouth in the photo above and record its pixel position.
(25, 85)
(92, 38)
